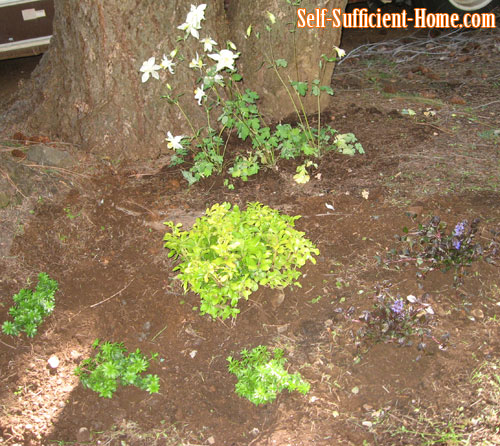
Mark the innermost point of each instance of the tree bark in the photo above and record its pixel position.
(87, 89)
(301, 48)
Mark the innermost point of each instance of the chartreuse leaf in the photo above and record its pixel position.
(229, 252)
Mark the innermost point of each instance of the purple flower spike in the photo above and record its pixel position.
(456, 244)
(460, 229)
(398, 307)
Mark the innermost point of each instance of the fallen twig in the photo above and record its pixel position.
(8, 345)
(114, 295)
(435, 126)
(9, 179)
(62, 169)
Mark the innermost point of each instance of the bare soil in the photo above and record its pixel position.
(101, 235)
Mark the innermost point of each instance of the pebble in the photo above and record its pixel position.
(83, 435)
(478, 313)
(53, 362)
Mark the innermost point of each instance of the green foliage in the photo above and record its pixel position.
(230, 110)
(244, 167)
(348, 144)
(243, 114)
(31, 307)
(228, 253)
(261, 377)
(112, 366)
(302, 176)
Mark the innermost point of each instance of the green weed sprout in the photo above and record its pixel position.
(112, 366)
(31, 307)
(261, 377)
(229, 252)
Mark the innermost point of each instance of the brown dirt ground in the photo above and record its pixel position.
(362, 391)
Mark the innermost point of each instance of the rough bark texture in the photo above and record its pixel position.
(301, 48)
(87, 88)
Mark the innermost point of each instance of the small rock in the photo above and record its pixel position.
(282, 328)
(146, 326)
(278, 298)
(49, 156)
(367, 407)
(53, 362)
(255, 431)
(478, 313)
(83, 435)
(211, 440)
(75, 354)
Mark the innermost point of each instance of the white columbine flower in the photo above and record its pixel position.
(215, 79)
(199, 94)
(193, 20)
(196, 62)
(340, 52)
(225, 59)
(149, 68)
(174, 142)
(208, 43)
(168, 64)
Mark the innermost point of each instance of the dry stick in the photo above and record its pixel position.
(485, 105)
(8, 345)
(8, 178)
(58, 168)
(435, 126)
(159, 333)
(114, 295)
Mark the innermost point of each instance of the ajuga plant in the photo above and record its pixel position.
(431, 246)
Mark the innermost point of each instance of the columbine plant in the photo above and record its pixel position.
(218, 93)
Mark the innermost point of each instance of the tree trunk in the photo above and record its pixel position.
(87, 89)
(301, 48)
